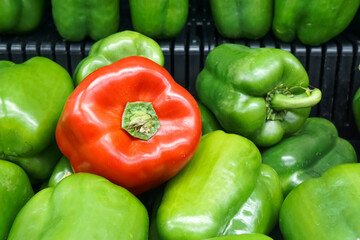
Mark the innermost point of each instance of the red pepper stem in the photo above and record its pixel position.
(140, 120)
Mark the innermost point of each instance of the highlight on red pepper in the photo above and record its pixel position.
(131, 123)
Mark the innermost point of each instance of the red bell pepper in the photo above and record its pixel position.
(137, 147)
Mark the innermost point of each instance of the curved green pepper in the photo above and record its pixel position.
(242, 18)
(312, 22)
(82, 206)
(115, 47)
(159, 19)
(318, 148)
(62, 170)
(223, 190)
(356, 108)
(15, 191)
(76, 19)
(324, 208)
(33, 95)
(20, 16)
(253, 236)
(261, 93)
(208, 120)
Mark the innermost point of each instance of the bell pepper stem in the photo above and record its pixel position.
(282, 102)
(140, 120)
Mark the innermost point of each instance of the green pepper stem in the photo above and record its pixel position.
(282, 102)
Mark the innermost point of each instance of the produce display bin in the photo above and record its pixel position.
(332, 67)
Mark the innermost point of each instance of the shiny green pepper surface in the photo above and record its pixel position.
(317, 148)
(15, 191)
(261, 94)
(62, 170)
(312, 22)
(115, 47)
(82, 206)
(253, 236)
(224, 190)
(33, 95)
(208, 120)
(324, 208)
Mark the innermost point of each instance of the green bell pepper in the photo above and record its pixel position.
(324, 208)
(15, 191)
(208, 120)
(62, 170)
(223, 190)
(261, 93)
(41, 165)
(76, 19)
(115, 47)
(356, 108)
(159, 19)
(250, 236)
(82, 206)
(318, 148)
(33, 95)
(19, 16)
(242, 18)
(312, 22)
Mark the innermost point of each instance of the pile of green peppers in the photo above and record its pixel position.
(18, 16)
(262, 162)
(317, 170)
(312, 22)
(76, 20)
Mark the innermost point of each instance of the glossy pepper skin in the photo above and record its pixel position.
(325, 207)
(92, 129)
(261, 94)
(224, 190)
(250, 236)
(312, 22)
(77, 19)
(82, 206)
(39, 166)
(159, 19)
(15, 191)
(62, 170)
(115, 47)
(318, 148)
(20, 16)
(356, 108)
(242, 18)
(33, 95)
(208, 120)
